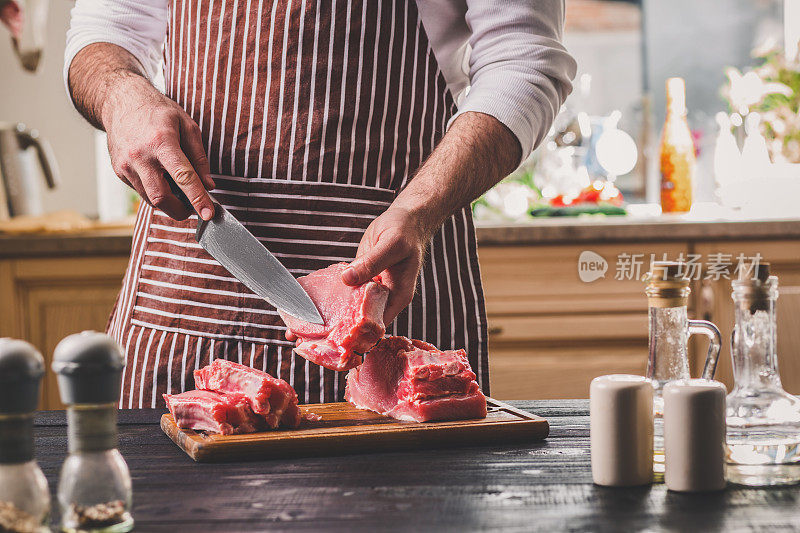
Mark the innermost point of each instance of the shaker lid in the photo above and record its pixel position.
(89, 367)
(21, 370)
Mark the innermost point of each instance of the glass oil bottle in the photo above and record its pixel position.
(763, 435)
(668, 292)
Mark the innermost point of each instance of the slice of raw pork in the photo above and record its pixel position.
(270, 397)
(211, 411)
(413, 380)
(353, 319)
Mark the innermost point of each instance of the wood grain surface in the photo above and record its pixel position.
(345, 429)
(540, 486)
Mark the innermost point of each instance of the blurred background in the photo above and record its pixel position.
(681, 140)
(626, 50)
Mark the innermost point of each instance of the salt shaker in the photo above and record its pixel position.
(24, 496)
(694, 435)
(621, 430)
(94, 491)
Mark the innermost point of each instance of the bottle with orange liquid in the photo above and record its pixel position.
(677, 152)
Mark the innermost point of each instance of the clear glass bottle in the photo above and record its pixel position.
(24, 496)
(668, 292)
(94, 490)
(763, 436)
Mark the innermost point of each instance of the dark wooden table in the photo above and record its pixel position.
(544, 486)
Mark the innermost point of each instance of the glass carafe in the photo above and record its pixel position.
(763, 436)
(669, 331)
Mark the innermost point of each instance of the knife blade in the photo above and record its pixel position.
(230, 243)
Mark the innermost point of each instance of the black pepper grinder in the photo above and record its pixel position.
(94, 491)
(24, 496)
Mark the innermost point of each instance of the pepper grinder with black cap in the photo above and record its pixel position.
(94, 491)
(24, 496)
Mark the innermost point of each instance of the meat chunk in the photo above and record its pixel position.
(272, 398)
(211, 411)
(353, 319)
(413, 380)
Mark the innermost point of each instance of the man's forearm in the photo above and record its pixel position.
(477, 152)
(95, 73)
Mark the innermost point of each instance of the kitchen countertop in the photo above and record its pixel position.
(92, 242)
(543, 486)
(563, 230)
(544, 231)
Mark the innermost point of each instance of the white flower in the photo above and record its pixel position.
(748, 89)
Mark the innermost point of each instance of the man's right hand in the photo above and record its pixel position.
(148, 134)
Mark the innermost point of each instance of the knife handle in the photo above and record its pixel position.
(178, 192)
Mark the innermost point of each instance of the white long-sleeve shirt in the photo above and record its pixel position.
(502, 58)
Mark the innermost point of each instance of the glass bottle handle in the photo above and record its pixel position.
(714, 344)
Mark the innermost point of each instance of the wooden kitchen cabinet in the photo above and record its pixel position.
(43, 300)
(549, 332)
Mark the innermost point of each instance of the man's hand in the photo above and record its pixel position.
(12, 16)
(148, 134)
(393, 247)
(476, 153)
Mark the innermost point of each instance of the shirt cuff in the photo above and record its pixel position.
(516, 104)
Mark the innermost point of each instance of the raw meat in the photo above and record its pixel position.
(270, 397)
(353, 319)
(413, 380)
(211, 411)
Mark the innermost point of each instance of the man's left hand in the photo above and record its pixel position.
(393, 247)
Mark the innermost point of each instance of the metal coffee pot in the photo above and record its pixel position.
(25, 161)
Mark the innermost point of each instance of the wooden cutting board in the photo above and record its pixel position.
(345, 430)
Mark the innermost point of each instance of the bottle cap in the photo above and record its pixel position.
(89, 367)
(667, 284)
(21, 370)
(757, 271)
(755, 287)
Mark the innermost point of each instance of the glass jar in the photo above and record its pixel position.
(94, 491)
(24, 496)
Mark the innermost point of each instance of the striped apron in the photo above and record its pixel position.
(314, 115)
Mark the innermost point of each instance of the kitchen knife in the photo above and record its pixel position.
(230, 243)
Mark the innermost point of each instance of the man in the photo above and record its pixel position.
(12, 17)
(308, 119)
